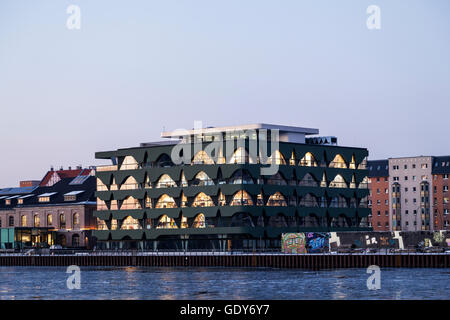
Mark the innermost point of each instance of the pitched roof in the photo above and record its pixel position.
(63, 174)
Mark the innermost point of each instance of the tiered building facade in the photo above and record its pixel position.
(222, 199)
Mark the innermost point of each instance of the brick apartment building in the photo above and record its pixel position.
(409, 193)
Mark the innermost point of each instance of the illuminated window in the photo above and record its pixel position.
(165, 201)
(23, 221)
(129, 223)
(202, 200)
(36, 221)
(62, 221)
(338, 162)
(130, 203)
(276, 158)
(352, 164)
(323, 183)
(129, 163)
(165, 182)
(241, 156)
(202, 158)
(222, 200)
(292, 160)
(184, 182)
(101, 205)
(148, 202)
(241, 198)
(364, 183)
(101, 186)
(308, 160)
(76, 219)
(49, 219)
(202, 179)
(277, 200)
(184, 201)
(130, 184)
(199, 221)
(166, 223)
(338, 182)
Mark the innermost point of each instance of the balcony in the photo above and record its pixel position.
(106, 168)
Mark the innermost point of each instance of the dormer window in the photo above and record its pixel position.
(72, 196)
(46, 196)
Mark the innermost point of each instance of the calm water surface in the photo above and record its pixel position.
(219, 283)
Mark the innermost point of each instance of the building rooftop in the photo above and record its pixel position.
(255, 126)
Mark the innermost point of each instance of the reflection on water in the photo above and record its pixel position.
(218, 283)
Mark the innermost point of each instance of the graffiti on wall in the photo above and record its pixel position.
(293, 243)
(309, 242)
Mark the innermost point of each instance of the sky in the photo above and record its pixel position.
(135, 68)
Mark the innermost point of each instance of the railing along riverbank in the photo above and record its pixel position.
(246, 259)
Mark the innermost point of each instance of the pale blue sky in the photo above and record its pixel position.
(136, 66)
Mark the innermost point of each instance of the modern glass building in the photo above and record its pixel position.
(229, 188)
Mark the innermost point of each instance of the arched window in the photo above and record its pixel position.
(76, 219)
(202, 158)
(62, 221)
(165, 201)
(166, 223)
(23, 221)
(338, 182)
(129, 223)
(184, 201)
(165, 181)
(241, 177)
(130, 203)
(202, 179)
(338, 202)
(101, 224)
(36, 220)
(203, 200)
(49, 219)
(62, 240)
(308, 160)
(277, 179)
(312, 220)
(199, 221)
(364, 183)
(129, 163)
(130, 184)
(101, 205)
(308, 200)
(241, 156)
(276, 158)
(101, 186)
(75, 240)
(241, 220)
(277, 200)
(164, 161)
(308, 181)
(338, 162)
(278, 221)
(241, 198)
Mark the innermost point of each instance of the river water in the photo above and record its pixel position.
(219, 283)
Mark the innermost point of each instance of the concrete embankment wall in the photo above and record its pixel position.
(306, 261)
